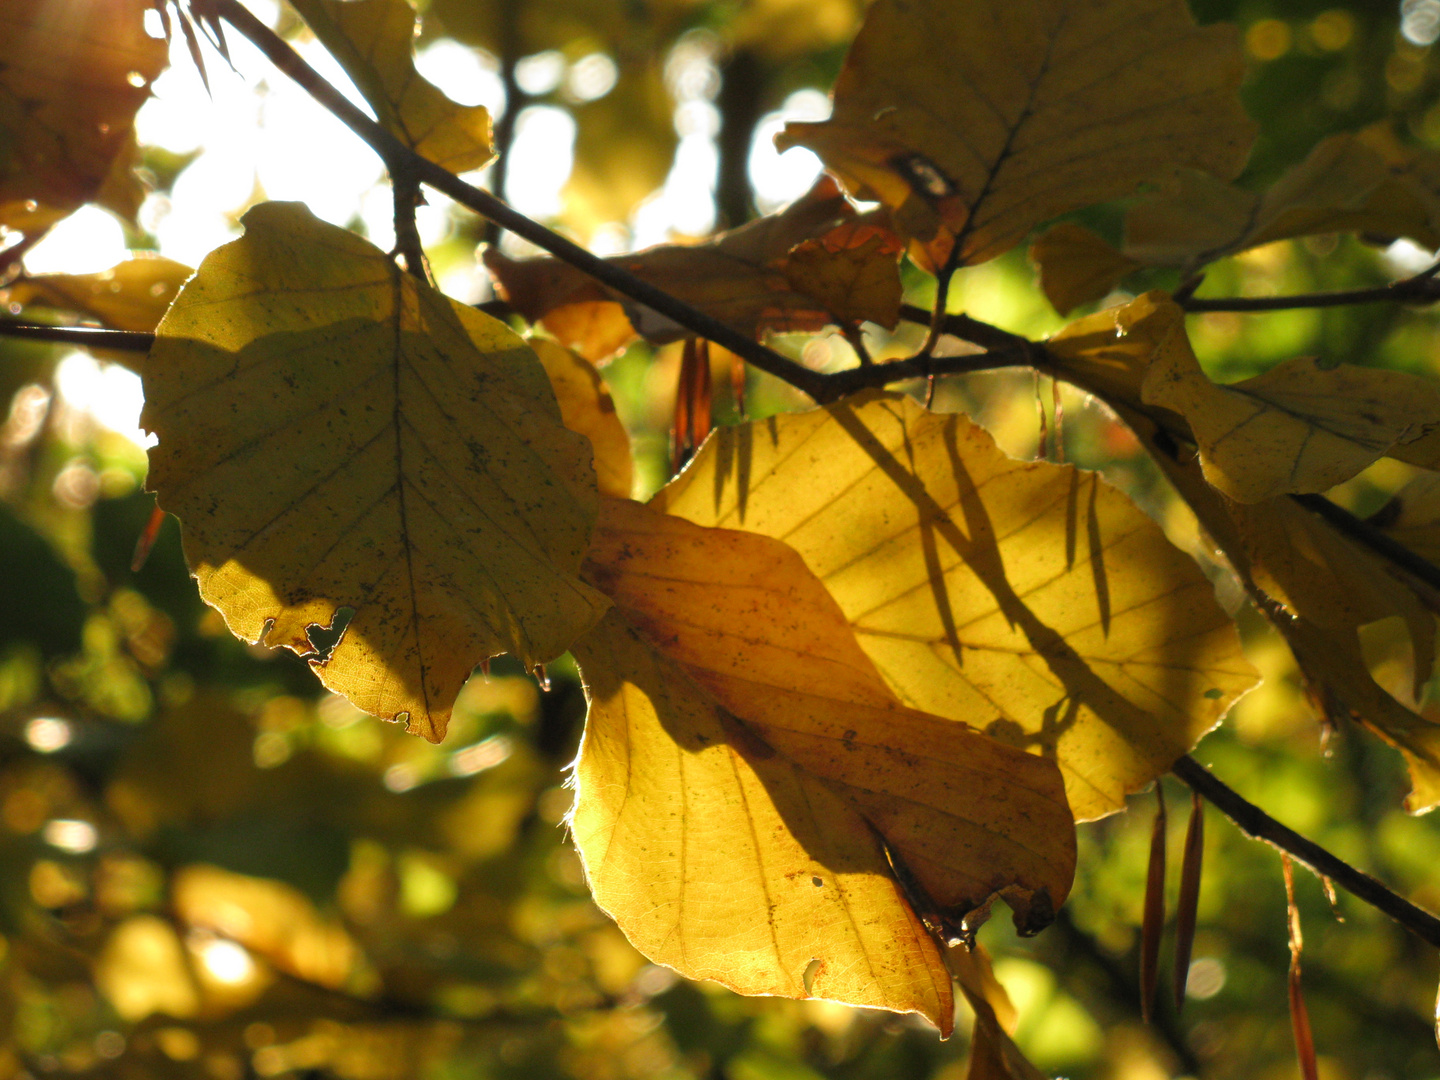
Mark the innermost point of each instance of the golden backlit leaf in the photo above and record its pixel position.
(333, 434)
(993, 1054)
(373, 40)
(1317, 586)
(745, 768)
(72, 75)
(142, 969)
(1030, 600)
(1297, 428)
(1412, 516)
(975, 122)
(742, 277)
(852, 271)
(1346, 184)
(586, 407)
(131, 295)
(1076, 266)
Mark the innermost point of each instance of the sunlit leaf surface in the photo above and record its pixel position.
(335, 435)
(975, 122)
(1030, 600)
(745, 768)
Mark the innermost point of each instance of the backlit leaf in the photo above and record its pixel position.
(1317, 586)
(747, 278)
(1030, 600)
(335, 435)
(72, 75)
(373, 40)
(1355, 182)
(745, 768)
(1297, 428)
(586, 407)
(975, 122)
(1077, 266)
(131, 295)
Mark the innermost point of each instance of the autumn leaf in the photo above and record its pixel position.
(73, 73)
(373, 40)
(131, 295)
(333, 434)
(1298, 427)
(1030, 600)
(745, 770)
(748, 278)
(586, 407)
(1076, 266)
(975, 122)
(1316, 586)
(1412, 516)
(993, 1053)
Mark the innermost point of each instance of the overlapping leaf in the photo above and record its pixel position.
(72, 75)
(1027, 599)
(813, 264)
(975, 122)
(335, 435)
(1296, 428)
(1317, 586)
(1360, 182)
(586, 407)
(373, 40)
(131, 295)
(745, 770)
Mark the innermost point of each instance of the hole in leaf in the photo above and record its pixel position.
(324, 639)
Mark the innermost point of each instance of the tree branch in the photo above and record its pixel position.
(397, 155)
(1260, 825)
(1421, 289)
(89, 337)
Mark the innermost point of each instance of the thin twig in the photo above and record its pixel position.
(1421, 289)
(405, 191)
(397, 155)
(89, 337)
(1254, 821)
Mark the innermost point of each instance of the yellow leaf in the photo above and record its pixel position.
(993, 1054)
(745, 769)
(143, 970)
(333, 434)
(1076, 266)
(72, 75)
(974, 122)
(851, 271)
(740, 277)
(1344, 185)
(1030, 600)
(1296, 428)
(131, 295)
(1413, 516)
(1316, 586)
(586, 407)
(373, 40)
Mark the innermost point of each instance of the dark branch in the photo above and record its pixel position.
(399, 157)
(86, 336)
(1254, 821)
(1421, 289)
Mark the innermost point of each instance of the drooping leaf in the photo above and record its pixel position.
(1353, 182)
(745, 770)
(373, 40)
(335, 435)
(586, 407)
(1297, 428)
(131, 295)
(975, 122)
(1076, 266)
(851, 271)
(1030, 600)
(747, 278)
(993, 1053)
(73, 73)
(1316, 585)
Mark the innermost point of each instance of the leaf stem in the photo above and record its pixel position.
(398, 156)
(1260, 825)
